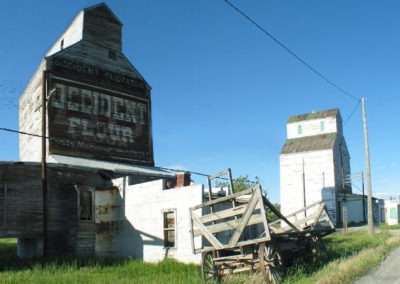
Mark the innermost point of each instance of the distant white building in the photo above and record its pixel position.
(314, 162)
(392, 212)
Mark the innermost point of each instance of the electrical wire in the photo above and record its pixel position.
(161, 168)
(351, 114)
(315, 71)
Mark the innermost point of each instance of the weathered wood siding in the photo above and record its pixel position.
(99, 105)
(21, 208)
(102, 27)
(30, 118)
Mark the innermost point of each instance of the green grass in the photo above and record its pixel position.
(347, 257)
(91, 270)
(387, 227)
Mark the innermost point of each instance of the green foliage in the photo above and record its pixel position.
(270, 215)
(240, 183)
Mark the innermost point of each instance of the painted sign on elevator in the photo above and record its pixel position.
(99, 123)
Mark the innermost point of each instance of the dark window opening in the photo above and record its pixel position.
(112, 55)
(85, 212)
(169, 229)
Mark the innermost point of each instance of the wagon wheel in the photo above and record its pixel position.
(209, 271)
(271, 263)
(317, 246)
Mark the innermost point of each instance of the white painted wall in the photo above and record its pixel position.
(72, 35)
(30, 118)
(318, 176)
(392, 212)
(311, 127)
(142, 235)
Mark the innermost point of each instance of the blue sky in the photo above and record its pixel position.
(222, 90)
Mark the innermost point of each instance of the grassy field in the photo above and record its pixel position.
(347, 258)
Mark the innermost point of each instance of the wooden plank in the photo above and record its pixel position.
(304, 209)
(255, 199)
(223, 214)
(219, 174)
(279, 214)
(264, 213)
(211, 238)
(222, 199)
(231, 225)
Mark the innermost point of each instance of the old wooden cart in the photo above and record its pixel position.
(234, 235)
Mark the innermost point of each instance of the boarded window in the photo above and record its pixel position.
(112, 55)
(85, 209)
(299, 129)
(169, 229)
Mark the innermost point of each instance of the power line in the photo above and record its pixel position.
(161, 168)
(22, 132)
(315, 71)
(351, 114)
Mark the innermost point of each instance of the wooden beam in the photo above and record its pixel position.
(231, 225)
(223, 214)
(222, 199)
(210, 237)
(255, 199)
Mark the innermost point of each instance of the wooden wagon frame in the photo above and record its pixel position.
(234, 235)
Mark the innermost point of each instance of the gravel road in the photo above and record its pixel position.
(388, 272)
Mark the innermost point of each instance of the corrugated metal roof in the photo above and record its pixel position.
(115, 168)
(313, 115)
(309, 143)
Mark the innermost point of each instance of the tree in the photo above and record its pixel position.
(270, 215)
(239, 184)
(242, 183)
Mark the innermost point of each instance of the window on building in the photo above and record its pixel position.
(112, 54)
(85, 205)
(322, 125)
(169, 229)
(299, 129)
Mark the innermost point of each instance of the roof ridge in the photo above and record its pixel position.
(313, 115)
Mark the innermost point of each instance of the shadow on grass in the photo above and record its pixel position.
(10, 261)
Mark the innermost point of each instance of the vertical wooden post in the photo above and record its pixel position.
(368, 172)
(363, 195)
(345, 227)
(304, 191)
(44, 166)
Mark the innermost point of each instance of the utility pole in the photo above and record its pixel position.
(44, 164)
(304, 191)
(368, 171)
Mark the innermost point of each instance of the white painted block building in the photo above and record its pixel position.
(392, 212)
(314, 162)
